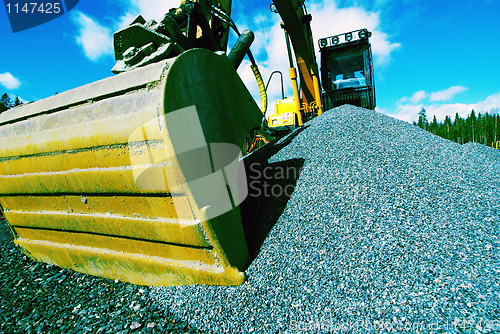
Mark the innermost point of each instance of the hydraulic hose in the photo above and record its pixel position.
(255, 69)
(262, 88)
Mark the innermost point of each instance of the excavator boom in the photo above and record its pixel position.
(296, 22)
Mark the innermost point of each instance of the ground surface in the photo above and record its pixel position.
(388, 227)
(356, 223)
(39, 298)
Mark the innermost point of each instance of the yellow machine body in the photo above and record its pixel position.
(285, 117)
(83, 174)
(306, 95)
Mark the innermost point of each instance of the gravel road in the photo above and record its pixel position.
(388, 228)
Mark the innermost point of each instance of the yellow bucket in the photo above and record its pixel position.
(134, 177)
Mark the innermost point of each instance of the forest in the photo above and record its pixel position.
(480, 128)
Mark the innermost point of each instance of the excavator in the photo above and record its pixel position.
(139, 176)
(346, 77)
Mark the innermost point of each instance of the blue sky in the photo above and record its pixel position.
(441, 55)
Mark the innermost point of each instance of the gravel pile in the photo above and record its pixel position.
(40, 298)
(388, 228)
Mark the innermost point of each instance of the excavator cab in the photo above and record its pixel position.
(347, 70)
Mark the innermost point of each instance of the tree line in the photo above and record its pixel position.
(483, 128)
(6, 102)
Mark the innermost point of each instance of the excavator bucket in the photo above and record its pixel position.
(136, 177)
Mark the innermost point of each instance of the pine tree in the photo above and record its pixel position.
(422, 119)
(434, 126)
(458, 125)
(496, 129)
(483, 128)
(17, 101)
(6, 101)
(448, 127)
(471, 124)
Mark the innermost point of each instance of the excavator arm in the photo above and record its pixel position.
(297, 26)
(194, 24)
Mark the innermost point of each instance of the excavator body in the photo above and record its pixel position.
(346, 70)
(285, 117)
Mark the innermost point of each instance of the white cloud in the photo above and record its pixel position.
(95, 39)
(125, 20)
(439, 96)
(492, 102)
(348, 19)
(409, 112)
(443, 110)
(447, 94)
(415, 98)
(149, 9)
(9, 81)
(418, 96)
